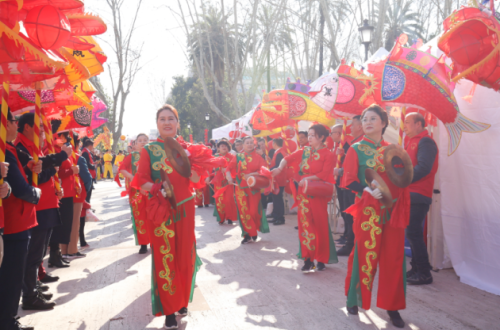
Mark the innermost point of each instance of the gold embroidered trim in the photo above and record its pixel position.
(162, 164)
(167, 256)
(243, 209)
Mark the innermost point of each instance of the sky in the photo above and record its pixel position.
(163, 57)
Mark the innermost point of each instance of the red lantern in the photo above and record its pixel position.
(47, 27)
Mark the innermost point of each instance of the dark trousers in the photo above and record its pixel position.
(61, 234)
(278, 205)
(36, 252)
(349, 198)
(83, 242)
(264, 200)
(415, 235)
(11, 279)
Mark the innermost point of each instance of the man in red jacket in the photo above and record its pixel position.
(423, 153)
(47, 214)
(20, 216)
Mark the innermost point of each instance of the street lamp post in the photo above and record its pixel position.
(366, 36)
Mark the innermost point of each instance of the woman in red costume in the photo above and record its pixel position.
(315, 163)
(245, 164)
(137, 199)
(379, 231)
(172, 228)
(225, 206)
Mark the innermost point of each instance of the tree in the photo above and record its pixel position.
(187, 97)
(123, 72)
(401, 19)
(277, 37)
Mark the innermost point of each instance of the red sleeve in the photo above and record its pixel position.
(143, 174)
(65, 170)
(326, 173)
(126, 164)
(350, 168)
(294, 158)
(231, 167)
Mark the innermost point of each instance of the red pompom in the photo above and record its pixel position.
(47, 27)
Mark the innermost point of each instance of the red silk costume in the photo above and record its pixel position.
(137, 200)
(202, 196)
(171, 232)
(379, 233)
(316, 241)
(252, 218)
(225, 206)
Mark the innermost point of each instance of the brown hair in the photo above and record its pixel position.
(169, 108)
(142, 134)
(320, 131)
(380, 112)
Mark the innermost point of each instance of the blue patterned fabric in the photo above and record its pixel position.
(393, 83)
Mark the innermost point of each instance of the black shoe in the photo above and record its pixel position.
(183, 311)
(41, 287)
(297, 227)
(37, 304)
(221, 223)
(170, 322)
(308, 266)
(207, 205)
(344, 251)
(229, 222)
(143, 249)
(19, 326)
(420, 278)
(279, 222)
(352, 310)
(254, 238)
(321, 266)
(49, 279)
(58, 263)
(46, 295)
(411, 272)
(396, 319)
(246, 240)
(271, 220)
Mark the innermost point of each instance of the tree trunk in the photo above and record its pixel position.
(321, 39)
(269, 69)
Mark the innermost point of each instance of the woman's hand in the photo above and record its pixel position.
(302, 182)
(75, 169)
(276, 171)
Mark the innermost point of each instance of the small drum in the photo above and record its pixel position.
(316, 188)
(258, 182)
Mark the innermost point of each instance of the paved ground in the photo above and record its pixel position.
(255, 286)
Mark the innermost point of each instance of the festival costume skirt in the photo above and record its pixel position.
(316, 241)
(175, 261)
(225, 205)
(377, 243)
(137, 209)
(250, 212)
